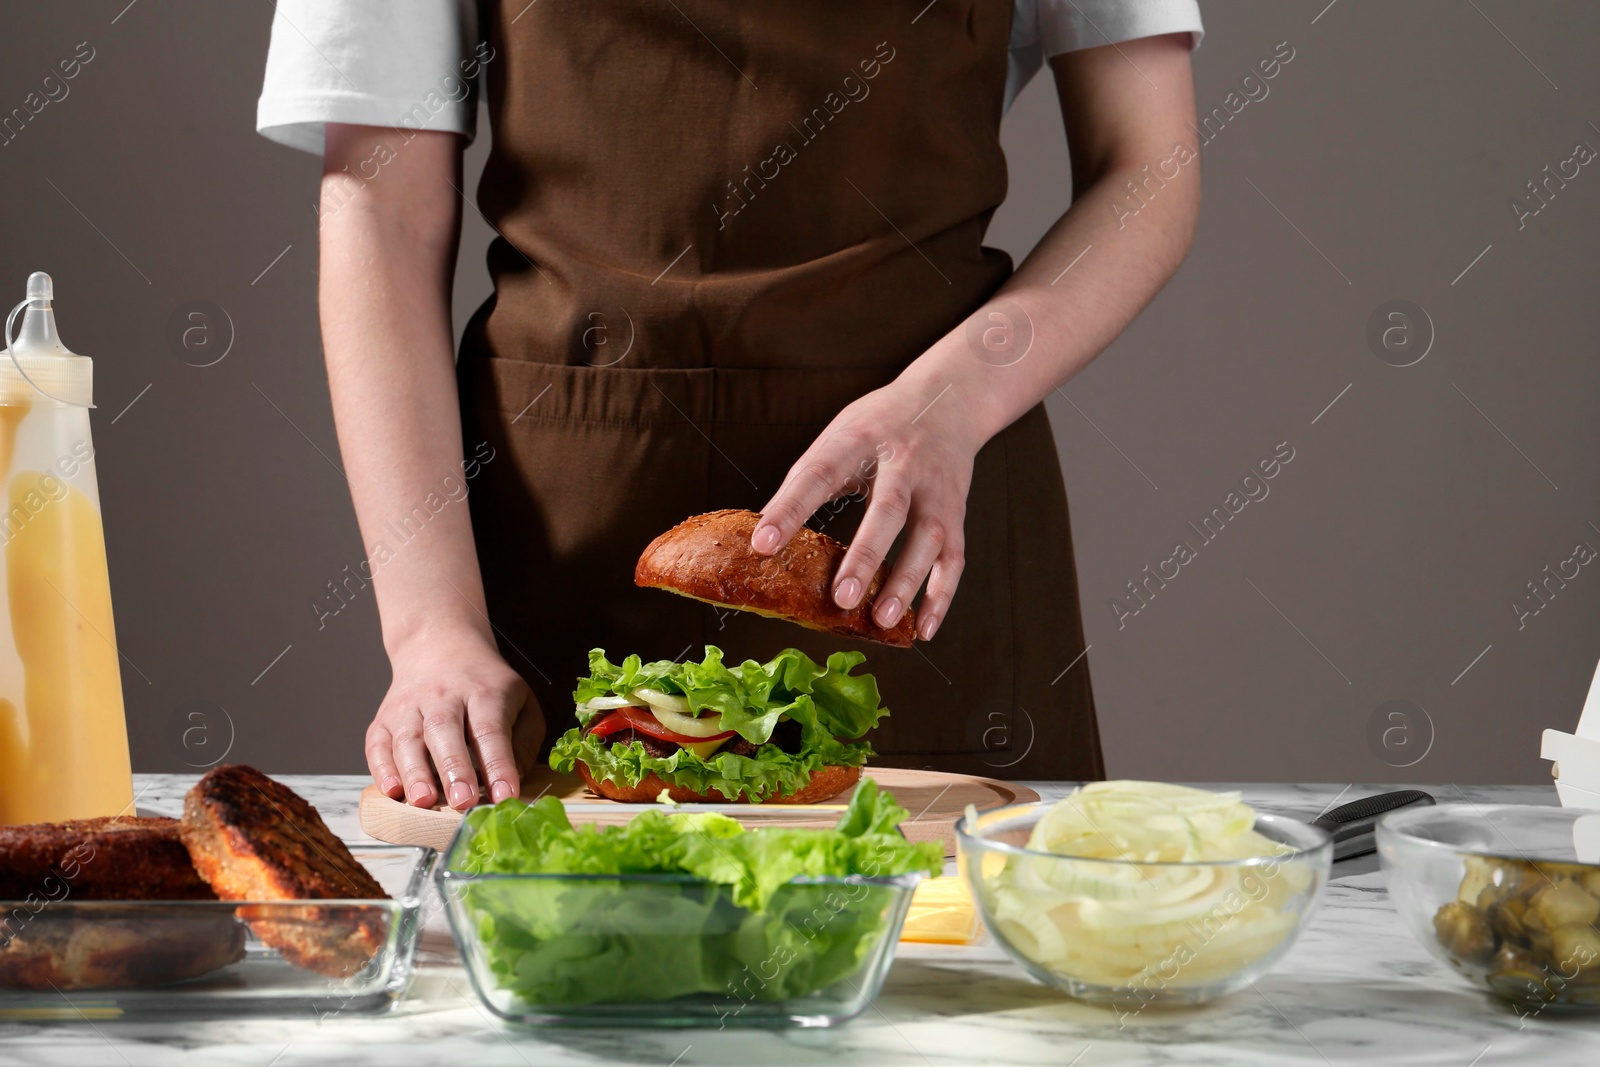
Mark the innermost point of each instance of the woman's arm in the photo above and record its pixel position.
(389, 241)
(1136, 182)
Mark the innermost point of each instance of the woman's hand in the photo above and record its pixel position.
(908, 448)
(454, 706)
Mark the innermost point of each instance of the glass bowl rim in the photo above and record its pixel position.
(967, 839)
(1393, 824)
(449, 875)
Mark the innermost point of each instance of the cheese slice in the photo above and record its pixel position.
(942, 912)
(704, 749)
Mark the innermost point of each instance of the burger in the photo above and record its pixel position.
(787, 731)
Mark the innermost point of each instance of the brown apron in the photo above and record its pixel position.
(720, 222)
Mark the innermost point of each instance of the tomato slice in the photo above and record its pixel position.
(641, 720)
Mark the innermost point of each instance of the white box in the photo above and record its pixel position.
(1573, 797)
(1577, 755)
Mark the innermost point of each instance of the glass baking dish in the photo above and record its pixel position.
(671, 950)
(106, 959)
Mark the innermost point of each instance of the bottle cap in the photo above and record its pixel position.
(37, 367)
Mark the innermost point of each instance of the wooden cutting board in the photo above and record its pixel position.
(935, 801)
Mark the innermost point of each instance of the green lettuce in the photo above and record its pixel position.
(770, 772)
(728, 912)
(828, 703)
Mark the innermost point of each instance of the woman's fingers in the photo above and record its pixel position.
(813, 481)
(447, 742)
(380, 761)
(942, 582)
(411, 756)
(489, 719)
(923, 493)
(886, 515)
(924, 542)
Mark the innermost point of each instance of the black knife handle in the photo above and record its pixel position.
(1352, 825)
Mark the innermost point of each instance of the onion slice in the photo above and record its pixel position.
(607, 703)
(673, 712)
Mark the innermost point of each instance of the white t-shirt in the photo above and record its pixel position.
(416, 63)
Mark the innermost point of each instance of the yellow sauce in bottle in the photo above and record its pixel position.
(63, 738)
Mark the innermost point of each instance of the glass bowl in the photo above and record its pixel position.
(1507, 894)
(66, 958)
(1136, 934)
(671, 950)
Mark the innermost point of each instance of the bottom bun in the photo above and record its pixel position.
(825, 784)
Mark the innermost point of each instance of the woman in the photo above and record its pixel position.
(739, 264)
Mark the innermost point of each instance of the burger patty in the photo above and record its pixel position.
(786, 735)
(254, 839)
(120, 857)
(116, 858)
(117, 948)
(653, 746)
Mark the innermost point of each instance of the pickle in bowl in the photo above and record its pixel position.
(1136, 893)
(1508, 895)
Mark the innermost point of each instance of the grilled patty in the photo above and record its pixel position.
(46, 942)
(653, 746)
(116, 858)
(255, 839)
(63, 948)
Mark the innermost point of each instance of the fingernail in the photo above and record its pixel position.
(499, 791)
(389, 784)
(889, 612)
(847, 593)
(460, 794)
(418, 793)
(930, 626)
(765, 539)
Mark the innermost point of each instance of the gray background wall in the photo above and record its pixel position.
(1384, 562)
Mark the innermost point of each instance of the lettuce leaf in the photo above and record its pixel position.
(751, 696)
(739, 921)
(770, 772)
(828, 703)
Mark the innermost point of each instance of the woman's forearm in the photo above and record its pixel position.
(387, 259)
(1084, 282)
(456, 718)
(1132, 219)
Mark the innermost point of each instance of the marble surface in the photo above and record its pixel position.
(1356, 988)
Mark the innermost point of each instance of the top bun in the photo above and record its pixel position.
(709, 557)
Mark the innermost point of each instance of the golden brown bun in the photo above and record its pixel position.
(825, 784)
(252, 838)
(709, 557)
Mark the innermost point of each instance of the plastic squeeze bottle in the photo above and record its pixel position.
(63, 736)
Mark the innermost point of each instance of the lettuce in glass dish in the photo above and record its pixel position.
(680, 918)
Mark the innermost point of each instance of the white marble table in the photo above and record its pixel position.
(1356, 988)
